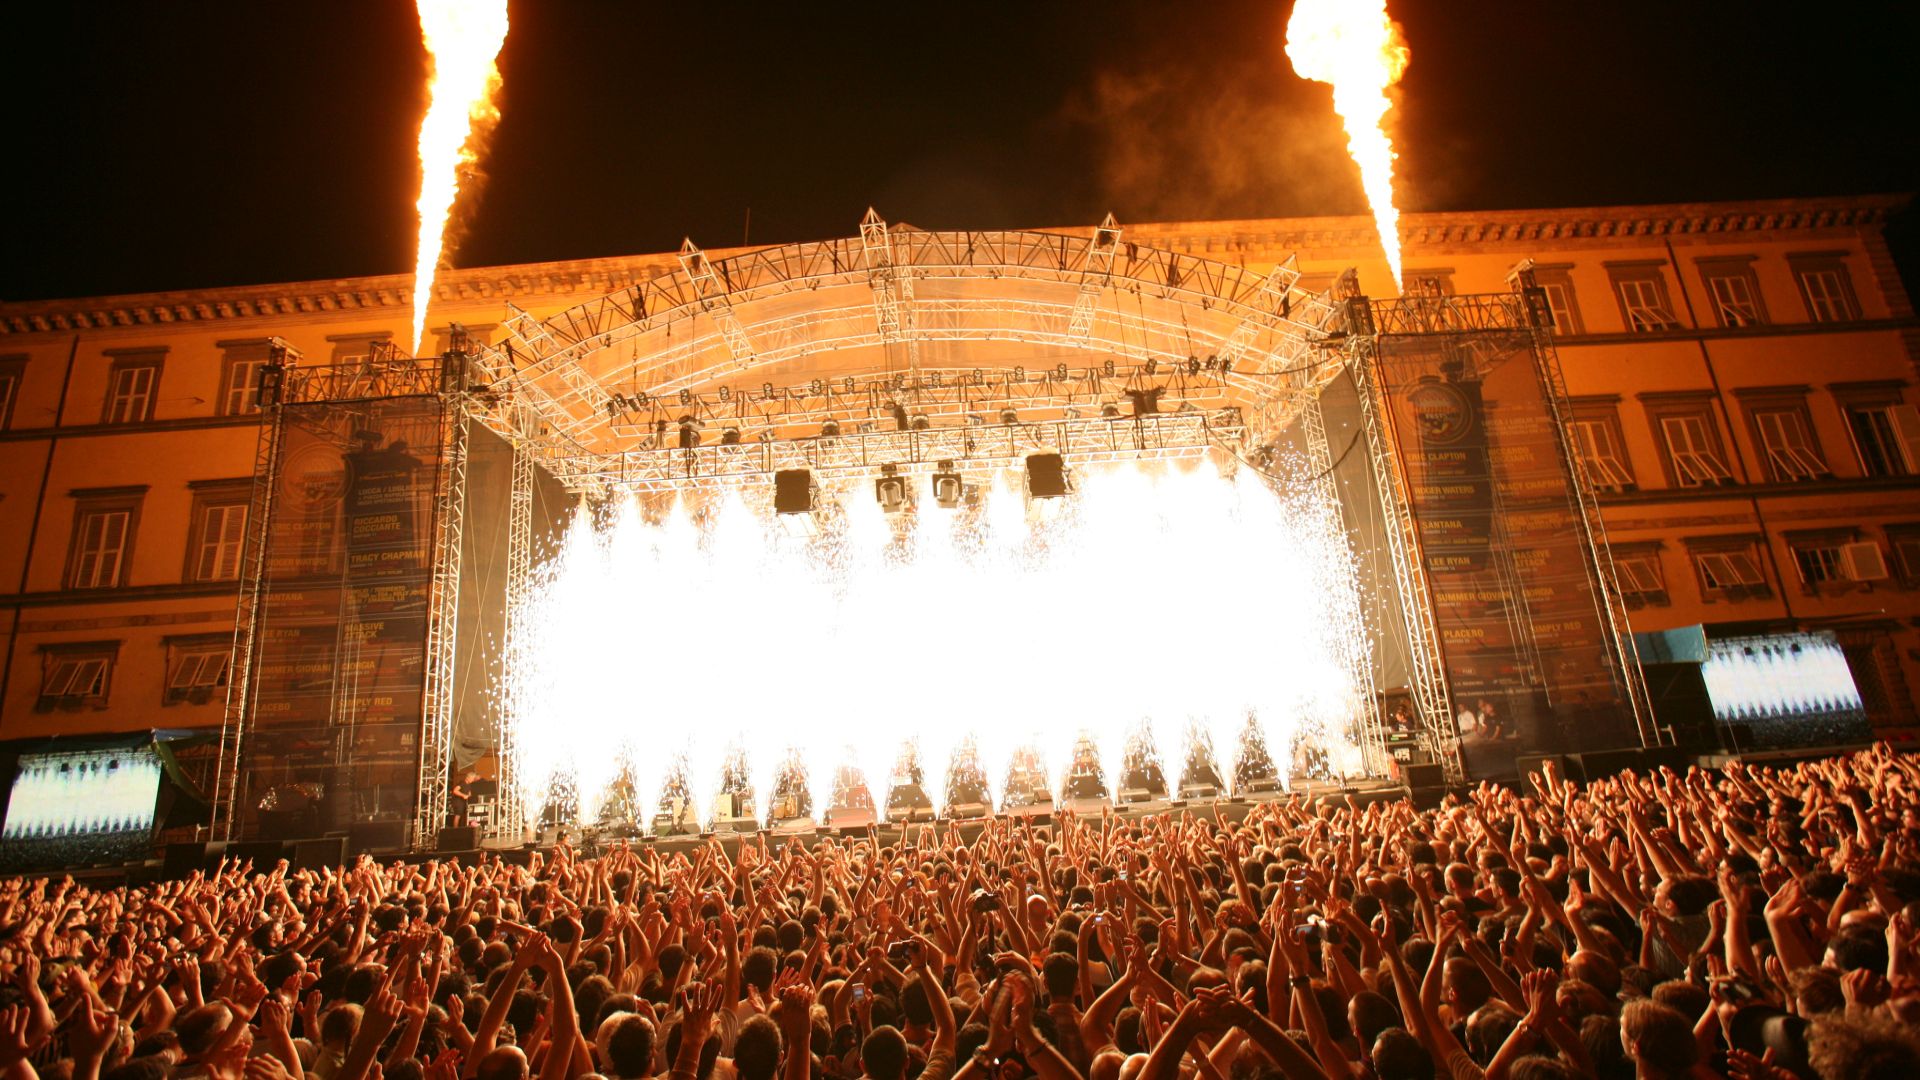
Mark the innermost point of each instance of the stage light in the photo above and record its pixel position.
(1046, 476)
(830, 429)
(792, 491)
(1110, 411)
(730, 436)
(1008, 416)
(947, 487)
(920, 422)
(1146, 401)
(899, 412)
(891, 489)
(689, 438)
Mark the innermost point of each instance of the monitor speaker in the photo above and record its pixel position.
(793, 491)
(1680, 702)
(376, 838)
(319, 853)
(459, 838)
(181, 860)
(1600, 764)
(264, 853)
(1046, 476)
(1423, 777)
(1535, 763)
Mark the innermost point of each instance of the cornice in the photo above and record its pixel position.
(390, 294)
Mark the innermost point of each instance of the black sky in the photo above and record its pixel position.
(179, 145)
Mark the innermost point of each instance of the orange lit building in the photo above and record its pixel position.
(1741, 378)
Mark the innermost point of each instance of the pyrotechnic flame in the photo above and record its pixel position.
(462, 37)
(1353, 46)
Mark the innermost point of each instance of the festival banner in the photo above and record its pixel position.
(340, 645)
(1523, 636)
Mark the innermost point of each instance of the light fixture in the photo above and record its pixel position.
(920, 422)
(1008, 416)
(689, 438)
(1146, 401)
(730, 436)
(891, 489)
(830, 429)
(947, 487)
(1110, 411)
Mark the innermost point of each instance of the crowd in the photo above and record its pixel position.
(1751, 923)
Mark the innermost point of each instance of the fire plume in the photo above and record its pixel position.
(462, 37)
(1353, 46)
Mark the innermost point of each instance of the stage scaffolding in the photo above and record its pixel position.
(666, 385)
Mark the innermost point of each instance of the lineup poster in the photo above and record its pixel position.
(340, 648)
(1523, 636)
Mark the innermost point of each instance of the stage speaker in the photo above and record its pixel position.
(459, 838)
(1423, 777)
(1046, 476)
(1599, 764)
(1531, 763)
(264, 853)
(1680, 701)
(181, 860)
(376, 838)
(793, 491)
(317, 853)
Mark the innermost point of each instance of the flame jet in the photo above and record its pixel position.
(462, 38)
(1354, 47)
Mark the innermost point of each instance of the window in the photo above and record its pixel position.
(240, 394)
(1598, 444)
(1733, 291)
(1829, 560)
(1904, 542)
(1818, 564)
(222, 528)
(357, 348)
(1884, 428)
(1642, 291)
(1556, 281)
(1636, 566)
(76, 675)
(196, 668)
(1782, 431)
(1728, 568)
(1435, 281)
(1692, 451)
(133, 383)
(12, 370)
(103, 526)
(1825, 286)
(217, 531)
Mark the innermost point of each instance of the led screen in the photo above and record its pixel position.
(80, 807)
(1789, 690)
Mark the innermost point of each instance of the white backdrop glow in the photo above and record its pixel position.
(82, 793)
(1164, 593)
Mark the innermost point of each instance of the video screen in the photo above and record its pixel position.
(1787, 690)
(80, 808)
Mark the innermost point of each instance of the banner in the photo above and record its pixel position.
(1524, 641)
(340, 645)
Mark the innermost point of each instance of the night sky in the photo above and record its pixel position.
(180, 145)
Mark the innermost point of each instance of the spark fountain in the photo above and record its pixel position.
(674, 632)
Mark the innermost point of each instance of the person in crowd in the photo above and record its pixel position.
(1749, 923)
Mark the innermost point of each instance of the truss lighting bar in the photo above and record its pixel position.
(1087, 440)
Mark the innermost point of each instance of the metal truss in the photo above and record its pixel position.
(509, 816)
(1531, 301)
(282, 360)
(1341, 603)
(1432, 699)
(1095, 276)
(934, 395)
(1086, 440)
(443, 605)
(686, 329)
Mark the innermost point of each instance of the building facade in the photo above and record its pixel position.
(1741, 376)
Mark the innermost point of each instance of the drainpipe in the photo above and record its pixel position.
(33, 528)
(1733, 443)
